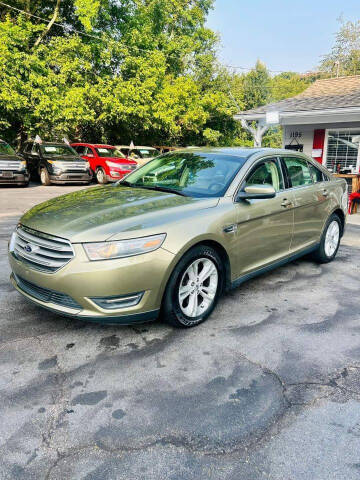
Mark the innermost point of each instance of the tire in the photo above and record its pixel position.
(193, 309)
(101, 176)
(330, 240)
(44, 177)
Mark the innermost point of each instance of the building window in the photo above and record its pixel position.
(343, 151)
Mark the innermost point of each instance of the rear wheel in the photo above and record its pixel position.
(194, 288)
(330, 240)
(101, 176)
(44, 177)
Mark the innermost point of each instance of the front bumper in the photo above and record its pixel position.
(115, 176)
(66, 177)
(18, 178)
(81, 280)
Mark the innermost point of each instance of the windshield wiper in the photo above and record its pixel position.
(153, 187)
(164, 189)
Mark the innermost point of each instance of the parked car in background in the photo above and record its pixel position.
(175, 234)
(107, 163)
(13, 167)
(165, 149)
(56, 163)
(141, 155)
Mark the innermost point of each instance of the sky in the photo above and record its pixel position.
(284, 34)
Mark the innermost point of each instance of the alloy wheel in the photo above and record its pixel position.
(100, 176)
(332, 238)
(198, 287)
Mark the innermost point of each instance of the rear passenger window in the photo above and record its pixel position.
(80, 149)
(299, 172)
(88, 151)
(316, 174)
(27, 148)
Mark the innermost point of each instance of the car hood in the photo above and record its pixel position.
(67, 158)
(11, 158)
(119, 160)
(100, 213)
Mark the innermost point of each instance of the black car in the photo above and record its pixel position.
(13, 169)
(56, 163)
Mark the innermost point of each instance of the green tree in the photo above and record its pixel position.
(152, 80)
(257, 86)
(288, 84)
(344, 58)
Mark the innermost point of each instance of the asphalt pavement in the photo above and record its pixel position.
(268, 388)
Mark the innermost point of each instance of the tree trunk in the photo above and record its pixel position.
(50, 24)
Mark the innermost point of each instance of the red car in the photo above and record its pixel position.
(107, 163)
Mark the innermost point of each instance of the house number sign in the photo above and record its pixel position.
(295, 134)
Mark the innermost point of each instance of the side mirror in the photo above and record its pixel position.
(256, 192)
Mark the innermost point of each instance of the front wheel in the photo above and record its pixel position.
(194, 288)
(330, 240)
(44, 177)
(101, 176)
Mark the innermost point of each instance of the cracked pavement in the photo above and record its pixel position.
(268, 388)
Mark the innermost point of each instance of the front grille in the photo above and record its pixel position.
(10, 165)
(71, 166)
(45, 294)
(40, 251)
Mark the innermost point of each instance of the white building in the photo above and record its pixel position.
(323, 121)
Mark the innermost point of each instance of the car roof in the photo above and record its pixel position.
(47, 143)
(95, 145)
(136, 147)
(58, 144)
(243, 152)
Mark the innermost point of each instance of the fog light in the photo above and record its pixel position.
(114, 303)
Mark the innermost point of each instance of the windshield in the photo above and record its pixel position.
(54, 150)
(5, 149)
(109, 152)
(192, 174)
(143, 153)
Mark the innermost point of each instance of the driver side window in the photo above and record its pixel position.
(268, 173)
(35, 148)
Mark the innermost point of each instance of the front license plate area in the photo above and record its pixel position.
(7, 174)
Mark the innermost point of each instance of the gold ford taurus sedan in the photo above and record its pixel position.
(172, 236)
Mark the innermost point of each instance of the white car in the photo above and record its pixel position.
(140, 154)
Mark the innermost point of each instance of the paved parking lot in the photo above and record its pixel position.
(268, 388)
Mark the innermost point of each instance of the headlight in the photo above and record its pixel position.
(123, 248)
(12, 241)
(56, 163)
(88, 165)
(56, 166)
(23, 164)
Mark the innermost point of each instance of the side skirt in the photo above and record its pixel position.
(272, 266)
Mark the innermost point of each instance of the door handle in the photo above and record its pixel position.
(325, 192)
(286, 203)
